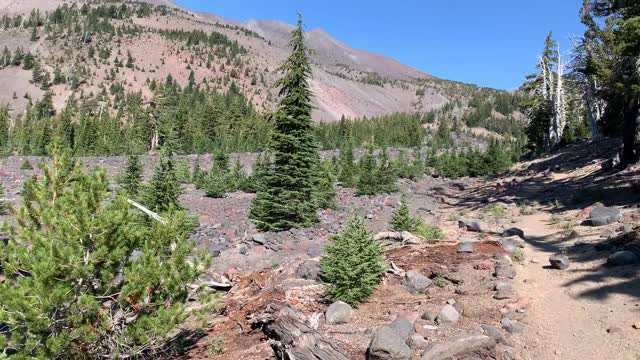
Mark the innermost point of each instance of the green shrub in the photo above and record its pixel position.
(86, 296)
(428, 232)
(163, 190)
(354, 264)
(183, 172)
(440, 281)
(3, 202)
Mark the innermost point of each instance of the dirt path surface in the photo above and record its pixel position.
(585, 312)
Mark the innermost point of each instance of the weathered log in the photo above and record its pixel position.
(291, 338)
(404, 236)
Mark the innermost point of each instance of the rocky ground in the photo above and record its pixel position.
(541, 263)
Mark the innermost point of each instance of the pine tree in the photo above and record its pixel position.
(354, 264)
(402, 219)
(198, 175)
(34, 34)
(131, 180)
(86, 276)
(216, 184)
(348, 173)
(161, 194)
(289, 196)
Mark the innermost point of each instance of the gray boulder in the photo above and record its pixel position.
(622, 258)
(456, 346)
(259, 239)
(559, 261)
(386, 344)
(602, 216)
(309, 270)
(511, 243)
(505, 271)
(473, 225)
(513, 232)
(315, 250)
(417, 342)
(493, 332)
(448, 315)
(504, 290)
(511, 326)
(465, 247)
(403, 327)
(415, 282)
(339, 313)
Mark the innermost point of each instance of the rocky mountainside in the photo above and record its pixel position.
(346, 81)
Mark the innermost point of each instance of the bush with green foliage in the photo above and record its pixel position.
(131, 179)
(354, 263)
(375, 177)
(87, 276)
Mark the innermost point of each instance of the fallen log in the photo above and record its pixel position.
(291, 338)
(404, 236)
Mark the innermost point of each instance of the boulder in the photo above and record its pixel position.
(493, 332)
(504, 290)
(403, 327)
(415, 282)
(511, 243)
(417, 342)
(473, 225)
(622, 258)
(339, 313)
(559, 261)
(259, 239)
(386, 344)
(465, 247)
(601, 216)
(511, 326)
(504, 271)
(448, 315)
(315, 250)
(309, 270)
(513, 232)
(458, 345)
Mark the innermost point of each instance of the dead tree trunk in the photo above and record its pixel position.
(631, 129)
(291, 338)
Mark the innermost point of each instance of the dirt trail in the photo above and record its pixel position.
(574, 314)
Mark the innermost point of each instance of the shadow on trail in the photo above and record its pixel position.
(573, 178)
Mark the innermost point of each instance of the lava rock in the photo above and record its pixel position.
(448, 315)
(309, 270)
(512, 243)
(315, 250)
(559, 261)
(511, 326)
(259, 239)
(493, 332)
(473, 225)
(386, 344)
(429, 315)
(339, 313)
(504, 291)
(455, 346)
(622, 258)
(513, 232)
(417, 342)
(403, 327)
(602, 216)
(415, 282)
(505, 271)
(465, 247)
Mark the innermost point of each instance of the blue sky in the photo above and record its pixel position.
(491, 43)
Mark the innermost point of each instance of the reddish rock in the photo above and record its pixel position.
(486, 265)
(521, 303)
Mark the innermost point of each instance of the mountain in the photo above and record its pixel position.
(346, 81)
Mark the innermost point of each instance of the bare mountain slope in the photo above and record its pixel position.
(346, 81)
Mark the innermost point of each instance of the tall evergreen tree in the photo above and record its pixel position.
(289, 197)
(131, 180)
(161, 194)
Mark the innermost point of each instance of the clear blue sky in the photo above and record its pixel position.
(491, 43)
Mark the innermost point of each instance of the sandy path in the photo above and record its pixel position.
(570, 315)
